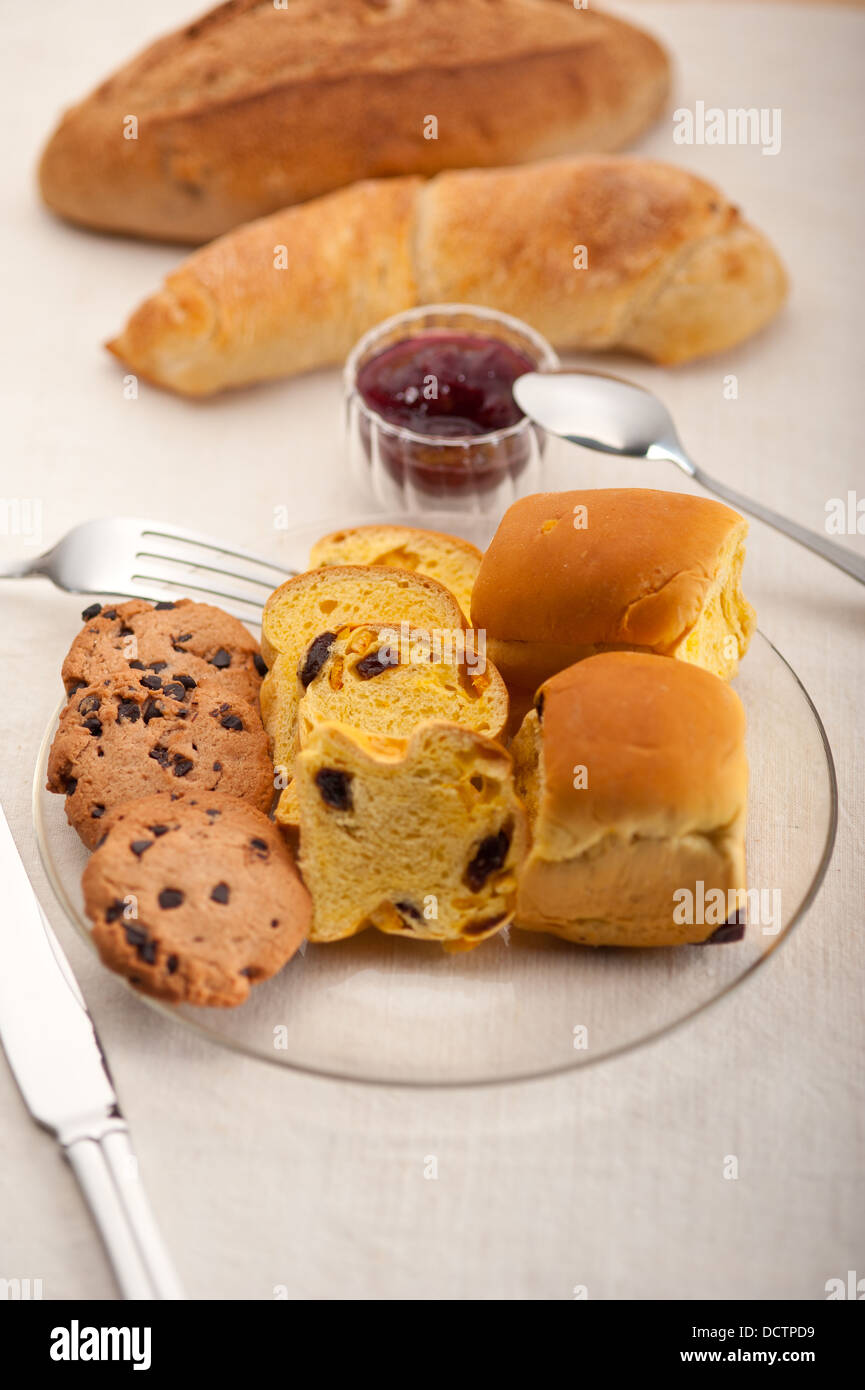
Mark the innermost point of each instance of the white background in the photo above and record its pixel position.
(611, 1179)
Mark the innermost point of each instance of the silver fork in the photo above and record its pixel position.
(132, 558)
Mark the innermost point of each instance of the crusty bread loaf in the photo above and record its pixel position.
(325, 600)
(419, 838)
(672, 271)
(451, 560)
(568, 574)
(259, 105)
(634, 773)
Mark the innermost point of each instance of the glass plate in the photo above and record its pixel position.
(378, 1009)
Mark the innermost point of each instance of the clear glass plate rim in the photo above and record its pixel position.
(468, 1083)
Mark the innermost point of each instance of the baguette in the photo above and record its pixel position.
(259, 105)
(673, 272)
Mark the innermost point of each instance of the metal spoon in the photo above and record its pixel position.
(617, 417)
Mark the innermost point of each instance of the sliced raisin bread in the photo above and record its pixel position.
(451, 560)
(387, 680)
(325, 600)
(421, 838)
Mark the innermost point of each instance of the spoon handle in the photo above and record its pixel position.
(839, 555)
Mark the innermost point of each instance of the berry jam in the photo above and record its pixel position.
(453, 388)
(445, 384)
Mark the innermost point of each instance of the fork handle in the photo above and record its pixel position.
(107, 1173)
(846, 560)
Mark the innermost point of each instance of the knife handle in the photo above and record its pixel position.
(107, 1172)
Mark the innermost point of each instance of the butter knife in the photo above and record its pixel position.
(58, 1063)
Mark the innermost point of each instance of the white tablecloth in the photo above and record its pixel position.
(613, 1178)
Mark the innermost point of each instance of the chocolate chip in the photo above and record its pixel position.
(159, 755)
(182, 765)
(152, 710)
(115, 910)
(184, 637)
(127, 709)
(89, 704)
(316, 655)
(211, 811)
(145, 949)
(163, 606)
(274, 921)
(221, 659)
(408, 909)
(137, 666)
(158, 830)
(110, 613)
(260, 664)
(151, 682)
(489, 858)
(260, 847)
(73, 687)
(126, 631)
(170, 897)
(94, 725)
(92, 612)
(138, 847)
(219, 894)
(217, 767)
(97, 812)
(187, 682)
(171, 964)
(70, 785)
(156, 665)
(335, 788)
(174, 690)
(231, 721)
(375, 663)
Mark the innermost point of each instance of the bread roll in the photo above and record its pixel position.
(449, 559)
(672, 271)
(323, 601)
(419, 838)
(257, 106)
(569, 574)
(634, 772)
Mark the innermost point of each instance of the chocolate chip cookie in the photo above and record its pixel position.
(194, 900)
(181, 641)
(123, 739)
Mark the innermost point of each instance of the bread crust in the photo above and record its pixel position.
(252, 108)
(621, 568)
(635, 774)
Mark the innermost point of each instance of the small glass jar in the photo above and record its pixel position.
(478, 473)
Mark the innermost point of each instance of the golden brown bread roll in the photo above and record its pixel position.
(257, 106)
(569, 574)
(634, 772)
(673, 271)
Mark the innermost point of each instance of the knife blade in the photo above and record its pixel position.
(55, 1055)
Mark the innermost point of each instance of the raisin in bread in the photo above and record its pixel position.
(451, 560)
(387, 680)
(421, 838)
(325, 600)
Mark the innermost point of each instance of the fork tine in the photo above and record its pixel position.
(211, 569)
(186, 584)
(195, 538)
